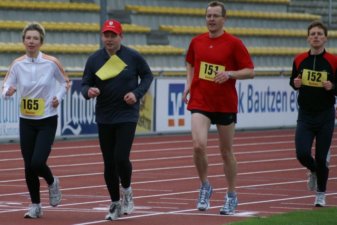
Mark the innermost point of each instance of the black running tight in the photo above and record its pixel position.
(36, 139)
(116, 142)
(317, 126)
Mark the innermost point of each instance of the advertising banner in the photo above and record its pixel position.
(78, 115)
(263, 102)
(171, 112)
(9, 117)
(146, 113)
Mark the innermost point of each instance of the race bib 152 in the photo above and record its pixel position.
(314, 78)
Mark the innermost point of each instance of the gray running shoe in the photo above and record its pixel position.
(34, 211)
(115, 211)
(312, 181)
(55, 195)
(127, 201)
(320, 199)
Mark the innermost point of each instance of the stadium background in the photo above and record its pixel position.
(273, 30)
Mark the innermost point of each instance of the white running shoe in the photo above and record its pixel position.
(127, 201)
(55, 195)
(115, 211)
(204, 198)
(312, 181)
(230, 205)
(320, 199)
(34, 211)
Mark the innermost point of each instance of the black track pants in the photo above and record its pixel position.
(318, 127)
(116, 142)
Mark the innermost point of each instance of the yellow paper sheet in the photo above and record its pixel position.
(111, 68)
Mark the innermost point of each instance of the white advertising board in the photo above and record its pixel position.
(264, 102)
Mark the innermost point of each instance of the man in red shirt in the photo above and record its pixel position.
(214, 61)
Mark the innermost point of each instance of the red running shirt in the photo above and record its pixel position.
(207, 54)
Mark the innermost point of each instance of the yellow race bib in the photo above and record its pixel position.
(208, 71)
(32, 106)
(314, 78)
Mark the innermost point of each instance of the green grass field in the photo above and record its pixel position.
(319, 216)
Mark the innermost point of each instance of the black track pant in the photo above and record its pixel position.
(36, 139)
(116, 142)
(319, 127)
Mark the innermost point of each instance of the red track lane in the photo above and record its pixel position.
(165, 183)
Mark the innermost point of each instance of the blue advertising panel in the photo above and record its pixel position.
(176, 107)
(77, 114)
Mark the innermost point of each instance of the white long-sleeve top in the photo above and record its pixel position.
(35, 80)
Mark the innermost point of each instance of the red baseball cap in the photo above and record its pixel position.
(112, 25)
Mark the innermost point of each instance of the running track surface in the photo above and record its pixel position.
(165, 183)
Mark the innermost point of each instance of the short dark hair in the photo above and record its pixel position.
(217, 3)
(319, 24)
(34, 26)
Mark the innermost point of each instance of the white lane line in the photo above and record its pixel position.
(271, 142)
(143, 160)
(179, 212)
(170, 180)
(156, 159)
(152, 169)
(167, 180)
(142, 142)
(177, 193)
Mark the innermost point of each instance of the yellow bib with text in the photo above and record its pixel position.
(314, 78)
(208, 71)
(32, 106)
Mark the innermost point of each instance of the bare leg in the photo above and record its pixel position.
(226, 135)
(200, 127)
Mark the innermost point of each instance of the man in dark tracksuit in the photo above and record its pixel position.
(314, 76)
(119, 86)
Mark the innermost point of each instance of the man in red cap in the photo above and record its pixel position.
(112, 25)
(117, 96)
(112, 35)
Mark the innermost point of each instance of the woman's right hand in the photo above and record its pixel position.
(11, 90)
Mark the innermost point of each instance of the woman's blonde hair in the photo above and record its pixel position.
(34, 26)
